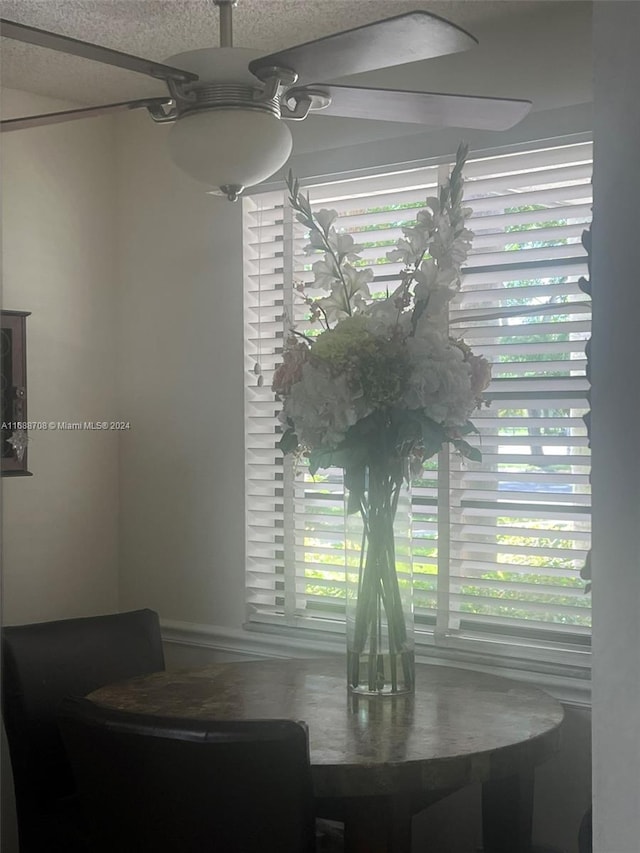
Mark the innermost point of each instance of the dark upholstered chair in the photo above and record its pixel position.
(162, 785)
(42, 664)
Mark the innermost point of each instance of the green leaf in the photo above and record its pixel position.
(366, 430)
(468, 428)
(433, 437)
(341, 457)
(407, 428)
(347, 456)
(320, 459)
(466, 450)
(289, 441)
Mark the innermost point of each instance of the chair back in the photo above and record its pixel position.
(43, 663)
(152, 784)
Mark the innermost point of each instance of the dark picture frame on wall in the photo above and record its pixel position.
(13, 393)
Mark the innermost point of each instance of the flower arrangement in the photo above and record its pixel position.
(381, 388)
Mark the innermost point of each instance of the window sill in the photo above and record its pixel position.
(263, 641)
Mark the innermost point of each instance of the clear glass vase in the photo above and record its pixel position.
(379, 582)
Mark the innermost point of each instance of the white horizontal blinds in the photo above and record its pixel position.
(265, 486)
(516, 527)
(294, 522)
(520, 518)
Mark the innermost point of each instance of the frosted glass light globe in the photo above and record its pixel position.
(227, 147)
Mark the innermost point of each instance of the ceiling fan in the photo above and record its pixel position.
(229, 106)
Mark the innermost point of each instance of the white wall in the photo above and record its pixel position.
(60, 525)
(181, 386)
(616, 413)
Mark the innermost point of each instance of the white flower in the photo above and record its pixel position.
(334, 307)
(440, 379)
(324, 274)
(323, 407)
(432, 289)
(343, 245)
(402, 252)
(315, 244)
(426, 279)
(325, 218)
(348, 296)
(448, 245)
(384, 316)
(424, 218)
(412, 247)
(357, 283)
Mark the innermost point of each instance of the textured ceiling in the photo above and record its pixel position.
(523, 43)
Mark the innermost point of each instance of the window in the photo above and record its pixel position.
(497, 545)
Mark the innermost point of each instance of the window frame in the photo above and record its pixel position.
(528, 653)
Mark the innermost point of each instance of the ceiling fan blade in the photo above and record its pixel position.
(418, 107)
(75, 47)
(381, 44)
(154, 105)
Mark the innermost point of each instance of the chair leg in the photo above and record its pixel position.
(377, 825)
(507, 810)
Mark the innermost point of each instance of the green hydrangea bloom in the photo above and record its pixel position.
(337, 347)
(376, 365)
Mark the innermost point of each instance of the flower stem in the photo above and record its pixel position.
(380, 630)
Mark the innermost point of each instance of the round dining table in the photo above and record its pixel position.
(378, 760)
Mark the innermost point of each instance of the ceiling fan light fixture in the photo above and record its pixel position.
(230, 147)
(225, 137)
